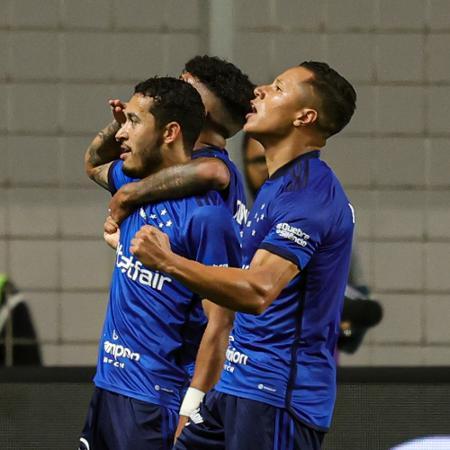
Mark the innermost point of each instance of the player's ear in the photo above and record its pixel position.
(304, 117)
(171, 132)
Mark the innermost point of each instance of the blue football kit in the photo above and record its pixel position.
(234, 195)
(283, 358)
(154, 324)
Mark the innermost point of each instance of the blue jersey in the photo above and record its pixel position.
(234, 195)
(154, 323)
(284, 356)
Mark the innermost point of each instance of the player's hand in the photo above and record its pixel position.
(183, 420)
(117, 108)
(111, 232)
(119, 206)
(151, 247)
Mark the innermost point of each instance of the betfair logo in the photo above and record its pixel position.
(136, 272)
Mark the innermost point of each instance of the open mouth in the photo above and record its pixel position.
(252, 112)
(124, 151)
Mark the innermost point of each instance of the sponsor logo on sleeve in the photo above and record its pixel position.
(293, 234)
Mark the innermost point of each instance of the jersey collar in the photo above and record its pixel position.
(283, 169)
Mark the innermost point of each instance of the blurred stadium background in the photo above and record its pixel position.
(60, 60)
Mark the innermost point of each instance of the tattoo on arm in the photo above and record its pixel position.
(196, 177)
(104, 148)
(100, 175)
(101, 152)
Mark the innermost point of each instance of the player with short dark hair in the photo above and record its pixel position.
(277, 390)
(335, 97)
(154, 324)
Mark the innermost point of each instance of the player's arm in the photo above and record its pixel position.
(104, 148)
(211, 353)
(195, 177)
(250, 291)
(210, 358)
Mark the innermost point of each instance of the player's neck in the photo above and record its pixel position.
(173, 155)
(280, 151)
(210, 138)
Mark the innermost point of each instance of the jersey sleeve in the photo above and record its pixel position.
(213, 237)
(116, 177)
(297, 228)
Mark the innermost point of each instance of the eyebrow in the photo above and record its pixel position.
(132, 115)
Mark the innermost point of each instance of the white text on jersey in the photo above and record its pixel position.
(136, 272)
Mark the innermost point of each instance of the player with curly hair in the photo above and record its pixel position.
(226, 93)
(156, 339)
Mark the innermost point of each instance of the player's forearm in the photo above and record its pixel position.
(103, 149)
(210, 357)
(237, 289)
(179, 181)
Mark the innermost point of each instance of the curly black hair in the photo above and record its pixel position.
(177, 101)
(226, 81)
(337, 96)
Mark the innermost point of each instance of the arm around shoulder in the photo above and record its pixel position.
(213, 172)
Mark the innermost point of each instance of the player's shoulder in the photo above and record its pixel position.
(217, 153)
(211, 214)
(210, 151)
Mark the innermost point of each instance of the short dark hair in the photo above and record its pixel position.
(336, 94)
(177, 101)
(226, 81)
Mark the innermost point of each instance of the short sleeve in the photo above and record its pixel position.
(213, 237)
(296, 228)
(116, 177)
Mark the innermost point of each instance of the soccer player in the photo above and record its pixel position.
(226, 93)
(154, 324)
(277, 390)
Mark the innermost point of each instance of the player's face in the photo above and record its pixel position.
(277, 105)
(140, 139)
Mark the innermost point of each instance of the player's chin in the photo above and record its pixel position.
(131, 169)
(251, 125)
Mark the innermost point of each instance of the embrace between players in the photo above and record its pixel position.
(206, 297)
